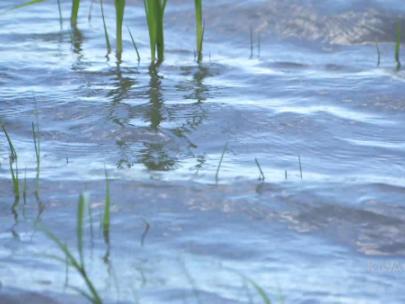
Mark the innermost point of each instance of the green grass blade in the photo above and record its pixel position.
(79, 226)
(13, 159)
(220, 162)
(107, 210)
(261, 292)
(37, 145)
(107, 38)
(75, 12)
(398, 46)
(13, 153)
(262, 177)
(119, 10)
(60, 14)
(134, 45)
(78, 266)
(199, 28)
(28, 4)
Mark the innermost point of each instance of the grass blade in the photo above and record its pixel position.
(107, 38)
(107, 210)
(199, 29)
(28, 4)
(154, 10)
(134, 45)
(398, 46)
(79, 228)
(220, 162)
(119, 10)
(13, 158)
(37, 145)
(378, 53)
(262, 177)
(75, 12)
(60, 14)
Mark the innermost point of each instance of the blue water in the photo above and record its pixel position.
(310, 104)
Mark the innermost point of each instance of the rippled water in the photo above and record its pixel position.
(329, 233)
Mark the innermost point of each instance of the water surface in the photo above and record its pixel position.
(328, 232)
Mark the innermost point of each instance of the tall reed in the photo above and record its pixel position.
(199, 29)
(119, 19)
(155, 10)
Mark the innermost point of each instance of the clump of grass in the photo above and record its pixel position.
(75, 12)
(199, 29)
(78, 264)
(398, 46)
(13, 163)
(119, 18)
(154, 10)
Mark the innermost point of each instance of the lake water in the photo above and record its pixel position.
(307, 101)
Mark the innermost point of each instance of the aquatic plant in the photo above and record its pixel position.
(261, 177)
(220, 162)
(154, 10)
(13, 163)
(300, 165)
(378, 53)
(119, 11)
(78, 264)
(37, 145)
(134, 45)
(398, 46)
(60, 14)
(199, 29)
(75, 12)
(107, 39)
(107, 210)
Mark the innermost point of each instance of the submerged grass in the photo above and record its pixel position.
(155, 10)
